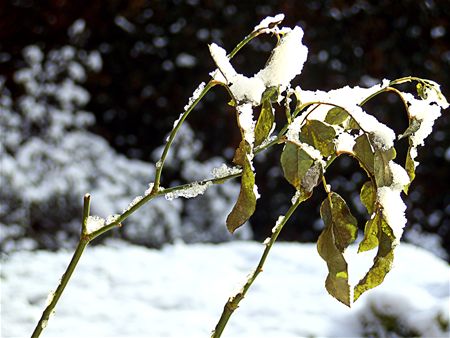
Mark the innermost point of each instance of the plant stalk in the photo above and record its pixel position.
(50, 309)
(233, 302)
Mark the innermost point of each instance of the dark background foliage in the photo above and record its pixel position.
(155, 53)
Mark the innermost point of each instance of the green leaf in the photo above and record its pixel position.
(421, 91)
(340, 231)
(368, 196)
(336, 116)
(364, 154)
(240, 154)
(295, 163)
(246, 202)
(382, 171)
(382, 261)
(351, 124)
(319, 135)
(264, 123)
(414, 126)
(370, 239)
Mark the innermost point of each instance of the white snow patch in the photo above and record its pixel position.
(345, 143)
(191, 191)
(189, 285)
(224, 171)
(93, 223)
(247, 123)
(192, 99)
(286, 61)
(269, 23)
(393, 209)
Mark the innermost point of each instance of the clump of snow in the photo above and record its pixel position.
(393, 209)
(110, 288)
(192, 99)
(247, 89)
(400, 177)
(268, 23)
(247, 123)
(135, 201)
(349, 98)
(224, 171)
(193, 190)
(286, 61)
(344, 143)
(94, 223)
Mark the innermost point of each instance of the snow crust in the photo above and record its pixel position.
(94, 223)
(192, 191)
(121, 290)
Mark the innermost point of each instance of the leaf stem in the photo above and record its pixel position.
(233, 302)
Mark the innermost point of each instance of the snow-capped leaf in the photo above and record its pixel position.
(336, 116)
(295, 163)
(382, 261)
(264, 123)
(340, 231)
(318, 135)
(364, 154)
(368, 196)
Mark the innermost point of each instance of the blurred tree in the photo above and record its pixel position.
(155, 53)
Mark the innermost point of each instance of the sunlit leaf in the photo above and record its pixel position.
(370, 239)
(240, 154)
(382, 261)
(319, 135)
(246, 202)
(410, 169)
(368, 196)
(414, 126)
(295, 163)
(336, 116)
(264, 123)
(382, 171)
(340, 231)
(364, 153)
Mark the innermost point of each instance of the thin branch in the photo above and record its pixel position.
(54, 296)
(233, 302)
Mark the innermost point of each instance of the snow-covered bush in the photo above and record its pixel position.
(48, 159)
(320, 127)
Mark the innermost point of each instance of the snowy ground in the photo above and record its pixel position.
(121, 290)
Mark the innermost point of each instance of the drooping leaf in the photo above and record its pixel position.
(368, 196)
(295, 163)
(340, 231)
(414, 126)
(382, 261)
(382, 171)
(319, 135)
(264, 123)
(364, 153)
(410, 169)
(336, 116)
(351, 124)
(370, 239)
(240, 154)
(246, 202)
